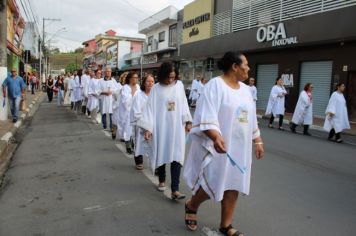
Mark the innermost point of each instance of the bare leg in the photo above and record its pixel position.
(197, 199)
(228, 205)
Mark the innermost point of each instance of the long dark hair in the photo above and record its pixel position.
(164, 71)
(129, 76)
(338, 85)
(228, 60)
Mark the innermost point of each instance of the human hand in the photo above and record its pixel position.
(259, 151)
(148, 135)
(188, 127)
(219, 144)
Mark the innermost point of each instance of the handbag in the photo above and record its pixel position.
(22, 105)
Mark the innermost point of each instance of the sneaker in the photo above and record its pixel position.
(339, 140)
(161, 187)
(14, 120)
(89, 117)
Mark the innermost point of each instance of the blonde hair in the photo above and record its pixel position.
(123, 77)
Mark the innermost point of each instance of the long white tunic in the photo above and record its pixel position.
(337, 106)
(232, 113)
(303, 113)
(67, 84)
(93, 94)
(253, 90)
(165, 117)
(276, 101)
(85, 82)
(125, 128)
(138, 105)
(115, 106)
(77, 88)
(194, 95)
(107, 100)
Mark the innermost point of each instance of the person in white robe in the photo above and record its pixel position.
(128, 92)
(67, 83)
(303, 113)
(166, 119)
(138, 105)
(194, 94)
(336, 114)
(276, 103)
(108, 86)
(253, 89)
(85, 81)
(219, 159)
(116, 105)
(77, 88)
(93, 95)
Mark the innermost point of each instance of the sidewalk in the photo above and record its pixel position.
(318, 123)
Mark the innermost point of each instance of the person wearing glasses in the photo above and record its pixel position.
(303, 113)
(16, 91)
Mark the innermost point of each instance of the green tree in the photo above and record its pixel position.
(71, 67)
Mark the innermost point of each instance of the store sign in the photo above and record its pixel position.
(149, 59)
(288, 80)
(195, 31)
(276, 35)
(111, 56)
(196, 20)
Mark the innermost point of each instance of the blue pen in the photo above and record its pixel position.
(235, 164)
(3, 103)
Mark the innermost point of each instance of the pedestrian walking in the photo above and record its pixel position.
(49, 87)
(55, 89)
(138, 105)
(107, 86)
(276, 103)
(116, 106)
(94, 95)
(253, 89)
(194, 95)
(218, 165)
(128, 91)
(336, 114)
(33, 81)
(303, 113)
(166, 120)
(67, 81)
(16, 88)
(77, 90)
(60, 86)
(85, 81)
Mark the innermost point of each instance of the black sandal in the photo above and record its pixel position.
(189, 214)
(225, 231)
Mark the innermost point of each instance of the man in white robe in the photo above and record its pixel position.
(194, 95)
(94, 95)
(276, 103)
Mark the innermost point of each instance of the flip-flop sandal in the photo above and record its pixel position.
(178, 196)
(190, 219)
(228, 231)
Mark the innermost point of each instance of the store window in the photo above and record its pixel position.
(173, 36)
(161, 36)
(149, 41)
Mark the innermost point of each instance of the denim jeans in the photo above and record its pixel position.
(15, 107)
(175, 174)
(103, 119)
(60, 97)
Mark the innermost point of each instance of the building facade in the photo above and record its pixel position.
(300, 41)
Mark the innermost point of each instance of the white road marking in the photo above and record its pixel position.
(18, 123)
(112, 205)
(6, 137)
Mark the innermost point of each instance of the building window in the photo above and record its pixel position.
(149, 41)
(173, 36)
(161, 36)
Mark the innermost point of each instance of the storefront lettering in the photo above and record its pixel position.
(195, 31)
(275, 34)
(149, 59)
(288, 80)
(196, 20)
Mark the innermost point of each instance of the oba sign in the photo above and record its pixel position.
(276, 35)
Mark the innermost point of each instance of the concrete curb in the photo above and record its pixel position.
(5, 140)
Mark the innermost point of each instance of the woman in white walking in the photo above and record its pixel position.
(94, 95)
(116, 107)
(276, 102)
(138, 105)
(128, 92)
(166, 120)
(303, 113)
(77, 90)
(219, 161)
(336, 114)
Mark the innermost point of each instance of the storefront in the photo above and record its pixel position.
(301, 50)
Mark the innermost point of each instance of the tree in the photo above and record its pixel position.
(78, 50)
(71, 67)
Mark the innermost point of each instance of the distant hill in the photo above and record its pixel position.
(61, 60)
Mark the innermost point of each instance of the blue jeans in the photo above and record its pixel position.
(103, 120)
(15, 107)
(60, 97)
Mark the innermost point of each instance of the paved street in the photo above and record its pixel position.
(69, 178)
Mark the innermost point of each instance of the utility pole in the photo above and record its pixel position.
(44, 41)
(3, 57)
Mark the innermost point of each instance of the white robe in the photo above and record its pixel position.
(165, 117)
(253, 90)
(93, 94)
(138, 105)
(194, 95)
(231, 113)
(340, 120)
(125, 128)
(77, 88)
(276, 101)
(115, 106)
(303, 113)
(85, 82)
(67, 84)
(107, 100)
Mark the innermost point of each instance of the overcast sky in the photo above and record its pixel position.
(83, 19)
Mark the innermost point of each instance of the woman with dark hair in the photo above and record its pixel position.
(303, 113)
(138, 105)
(166, 119)
(60, 86)
(77, 89)
(128, 92)
(49, 86)
(276, 102)
(336, 114)
(218, 164)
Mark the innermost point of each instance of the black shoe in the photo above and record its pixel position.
(307, 134)
(113, 136)
(293, 129)
(281, 128)
(129, 151)
(14, 120)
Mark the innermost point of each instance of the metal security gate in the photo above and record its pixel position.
(319, 74)
(266, 78)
